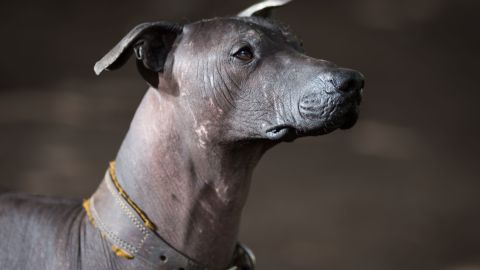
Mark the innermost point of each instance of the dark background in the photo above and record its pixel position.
(398, 191)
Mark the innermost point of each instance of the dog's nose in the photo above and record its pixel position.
(347, 81)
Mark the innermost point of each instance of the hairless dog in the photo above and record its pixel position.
(222, 92)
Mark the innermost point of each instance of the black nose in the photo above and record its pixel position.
(347, 81)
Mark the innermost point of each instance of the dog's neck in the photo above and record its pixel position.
(193, 193)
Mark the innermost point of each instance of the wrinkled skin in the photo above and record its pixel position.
(280, 94)
(228, 90)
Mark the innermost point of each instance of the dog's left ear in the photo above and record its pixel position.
(151, 43)
(263, 9)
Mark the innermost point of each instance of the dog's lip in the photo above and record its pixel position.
(281, 132)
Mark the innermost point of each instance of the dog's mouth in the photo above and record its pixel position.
(281, 133)
(346, 118)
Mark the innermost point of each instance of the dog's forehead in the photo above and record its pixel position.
(230, 27)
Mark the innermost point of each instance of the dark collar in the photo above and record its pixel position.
(133, 235)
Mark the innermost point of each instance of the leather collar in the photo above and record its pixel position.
(133, 236)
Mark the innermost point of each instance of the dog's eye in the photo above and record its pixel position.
(244, 54)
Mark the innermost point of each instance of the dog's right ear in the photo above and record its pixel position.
(151, 43)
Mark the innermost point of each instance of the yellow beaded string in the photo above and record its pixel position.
(122, 193)
(149, 224)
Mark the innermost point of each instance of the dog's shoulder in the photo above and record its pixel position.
(31, 202)
(34, 227)
(25, 210)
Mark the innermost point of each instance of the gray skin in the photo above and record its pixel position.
(223, 91)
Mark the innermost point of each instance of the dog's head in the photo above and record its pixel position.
(242, 78)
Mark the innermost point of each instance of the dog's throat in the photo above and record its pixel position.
(133, 235)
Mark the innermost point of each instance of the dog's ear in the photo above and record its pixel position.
(151, 43)
(263, 9)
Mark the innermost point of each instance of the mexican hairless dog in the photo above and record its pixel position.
(222, 92)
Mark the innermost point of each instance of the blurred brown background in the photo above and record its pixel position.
(398, 191)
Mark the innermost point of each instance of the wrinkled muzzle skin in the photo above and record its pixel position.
(255, 82)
